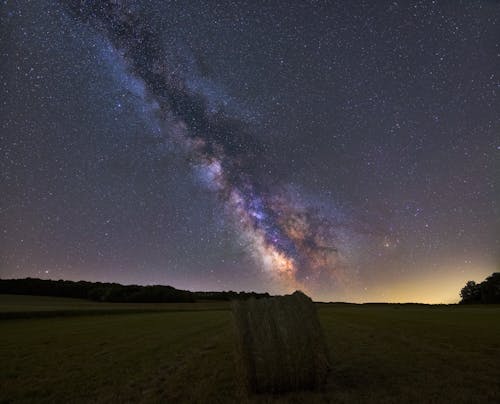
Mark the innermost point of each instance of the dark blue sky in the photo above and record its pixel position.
(347, 148)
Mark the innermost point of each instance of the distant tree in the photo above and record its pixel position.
(487, 291)
(490, 289)
(114, 292)
(470, 293)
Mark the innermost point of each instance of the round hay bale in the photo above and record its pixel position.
(280, 344)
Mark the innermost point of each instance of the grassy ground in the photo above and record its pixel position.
(14, 306)
(390, 354)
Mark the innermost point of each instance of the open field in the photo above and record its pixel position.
(15, 306)
(380, 353)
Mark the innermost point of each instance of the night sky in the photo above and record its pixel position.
(346, 148)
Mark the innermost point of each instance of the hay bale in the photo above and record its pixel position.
(281, 344)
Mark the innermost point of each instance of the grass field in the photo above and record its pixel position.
(179, 353)
(12, 306)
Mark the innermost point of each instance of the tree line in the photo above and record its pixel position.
(114, 292)
(487, 291)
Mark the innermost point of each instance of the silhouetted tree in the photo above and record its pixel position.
(490, 289)
(487, 291)
(470, 293)
(114, 292)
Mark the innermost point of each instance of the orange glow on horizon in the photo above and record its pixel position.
(439, 287)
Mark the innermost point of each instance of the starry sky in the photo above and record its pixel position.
(347, 149)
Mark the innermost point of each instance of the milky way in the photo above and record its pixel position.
(292, 242)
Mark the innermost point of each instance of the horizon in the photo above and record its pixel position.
(449, 301)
